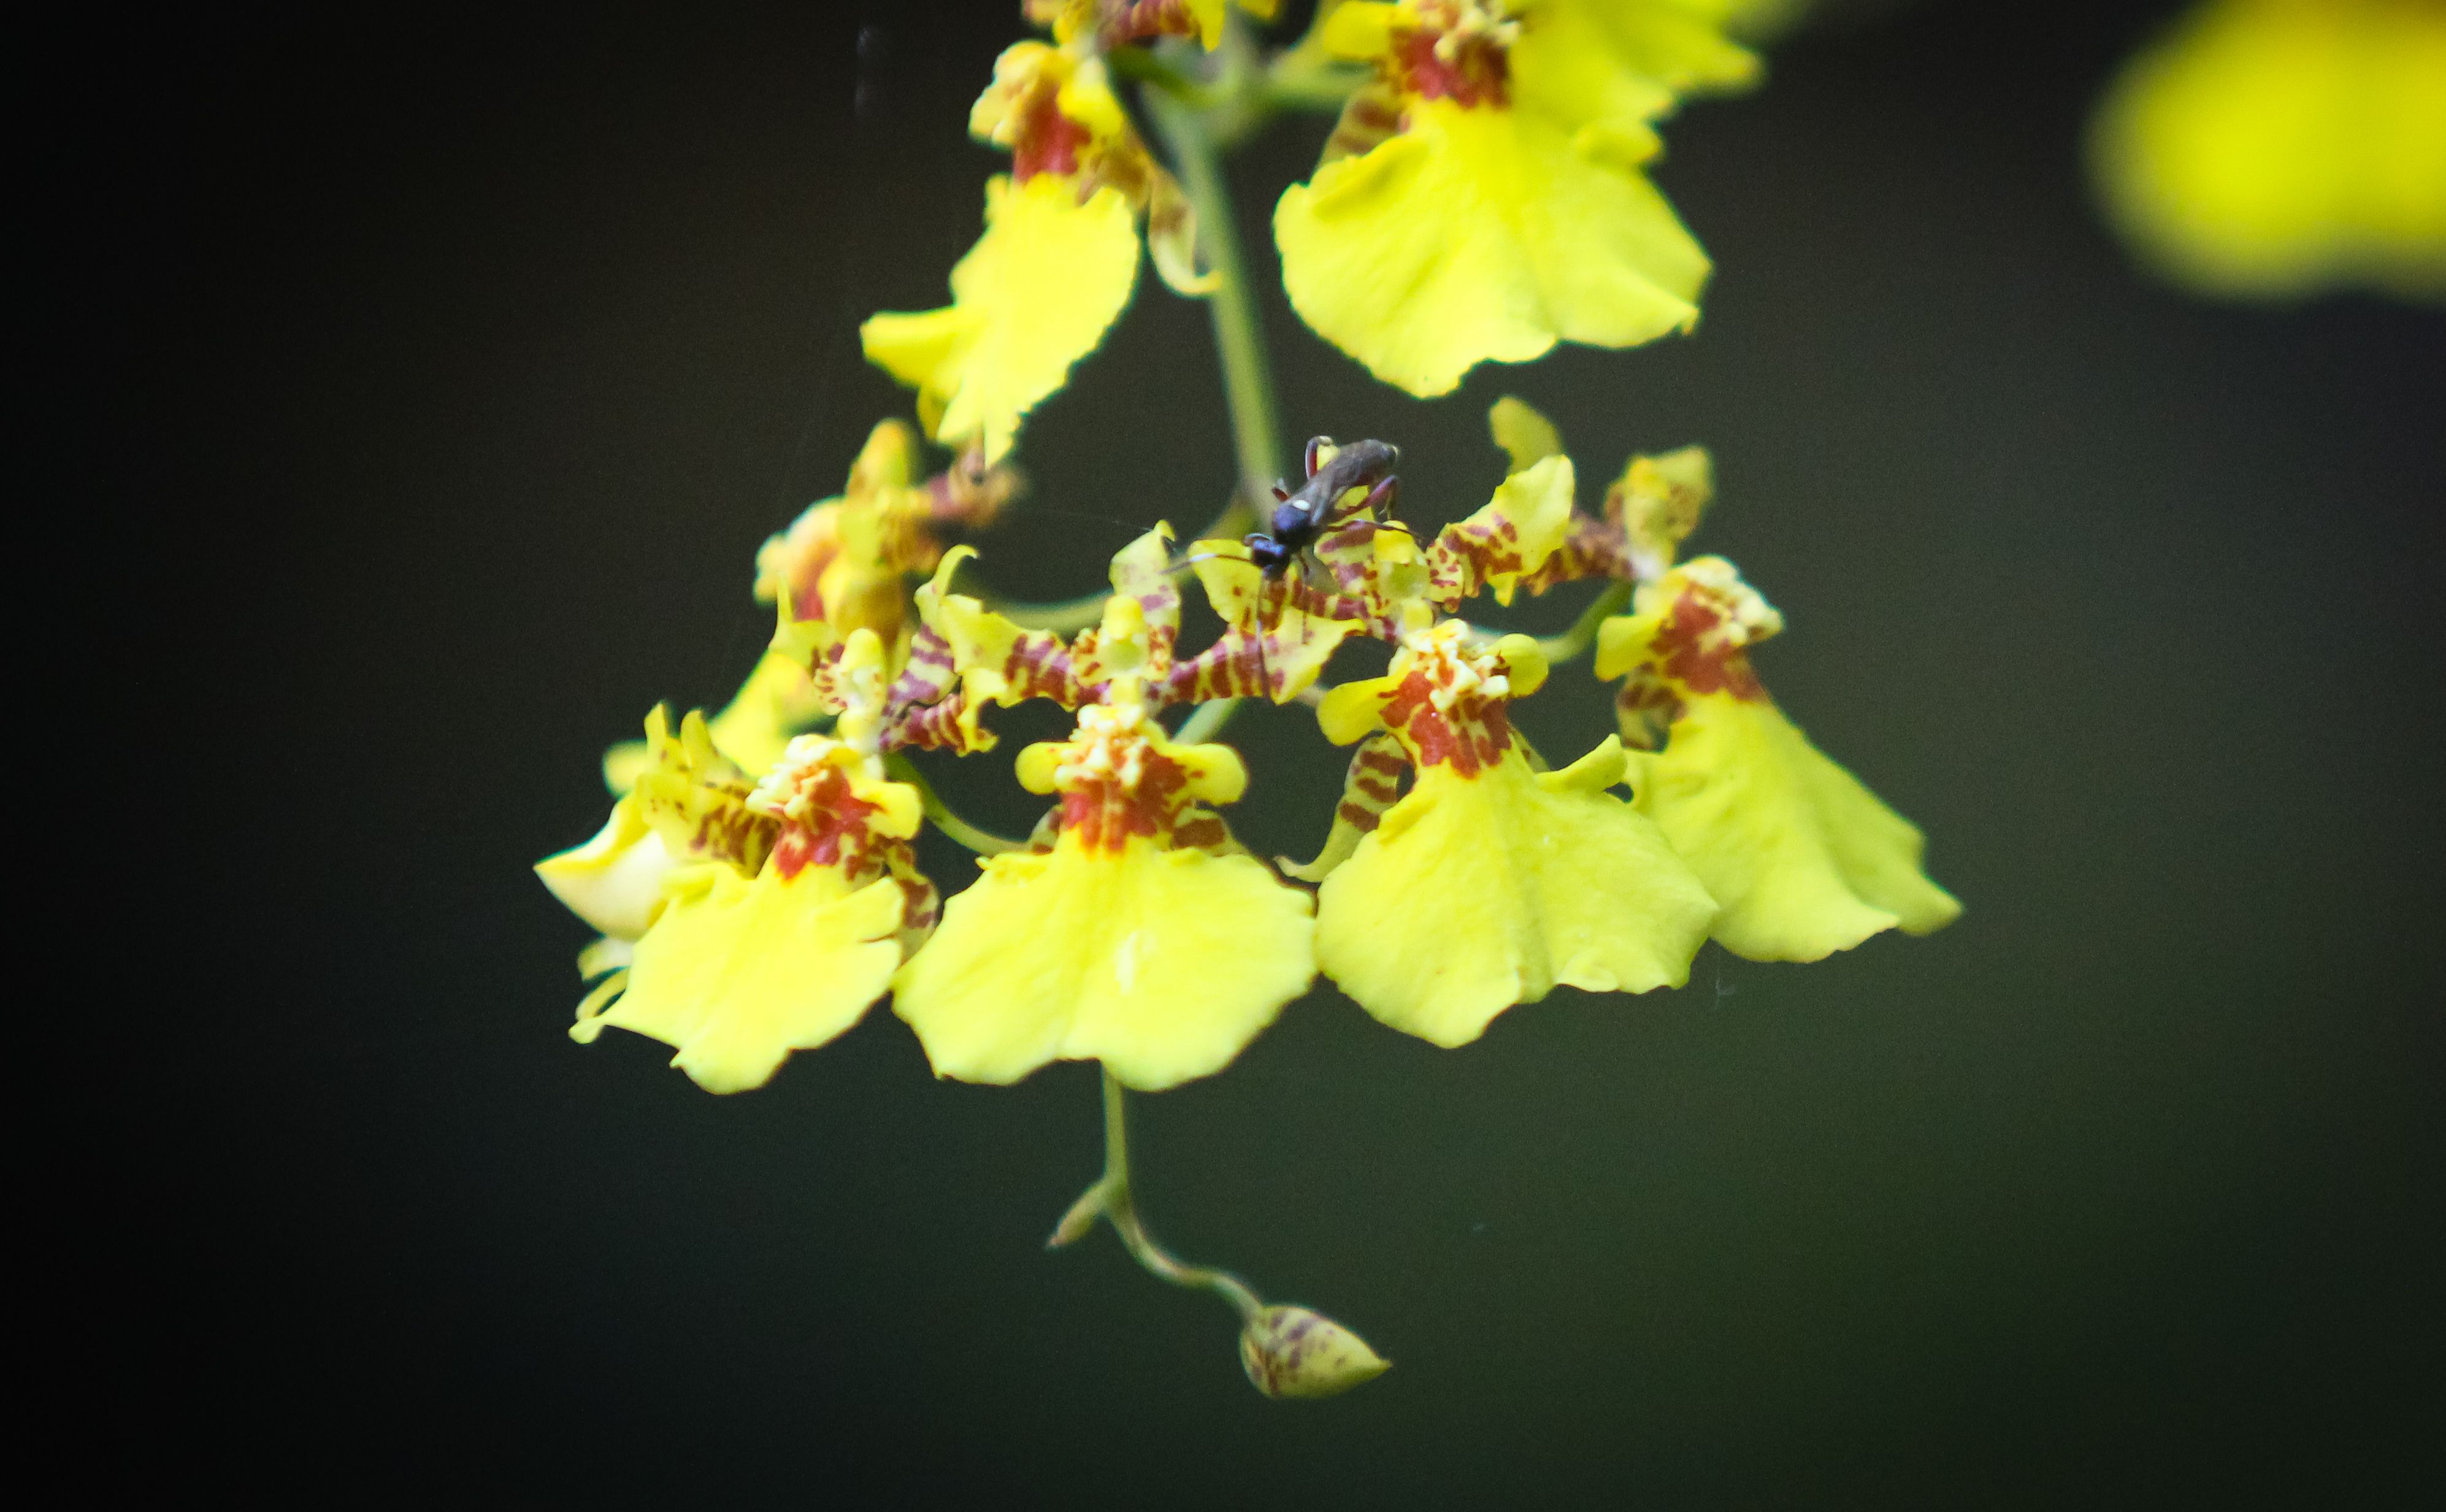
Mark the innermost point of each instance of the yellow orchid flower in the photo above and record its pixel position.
(1059, 258)
(1804, 859)
(808, 903)
(1485, 199)
(1648, 511)
(1504, 543)
(844, 564)
(1386, 584)
(2273, 147)
(1380, 581)
(1118, 23)
(1124, 941)
(1132, 931)
(983, 660)
(847, 559)
(1489, 882)
(737, 972)
(686, 804)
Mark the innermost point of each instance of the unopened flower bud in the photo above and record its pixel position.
(1289, 1351)
(1081, 1220)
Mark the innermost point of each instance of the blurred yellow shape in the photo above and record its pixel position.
(2270, 148)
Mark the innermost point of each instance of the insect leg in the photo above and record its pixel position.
(1266, 589)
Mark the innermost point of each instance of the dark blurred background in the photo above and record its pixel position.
(467, 359)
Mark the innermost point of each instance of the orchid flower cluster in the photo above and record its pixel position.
(755, 886)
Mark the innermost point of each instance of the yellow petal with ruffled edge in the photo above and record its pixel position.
(1627, 63)
(1476, 893)
(1805, 860)
(1163, 964)
(1034, 296)
(2268, 147)
(738, 974)
(1484, 235)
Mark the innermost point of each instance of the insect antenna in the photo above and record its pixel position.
(1114, 521)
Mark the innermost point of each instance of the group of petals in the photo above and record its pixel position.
(1489, 882)
(1484, 196)
(746, 919)
(742, 921)
(1134, 931)
(1805, 860)
(1059, 259)
(1121, 939)
(1487, 195)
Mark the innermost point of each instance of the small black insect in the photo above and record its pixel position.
(1301, 517)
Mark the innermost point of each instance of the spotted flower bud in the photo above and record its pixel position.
(1290, 1351)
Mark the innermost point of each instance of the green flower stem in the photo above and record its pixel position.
(1063, 617)
(1109, 1199)
(1301, 85)
(1208, 722)
(1239, 340)
(1562, 647)
(1144, 66)
(985, 843)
